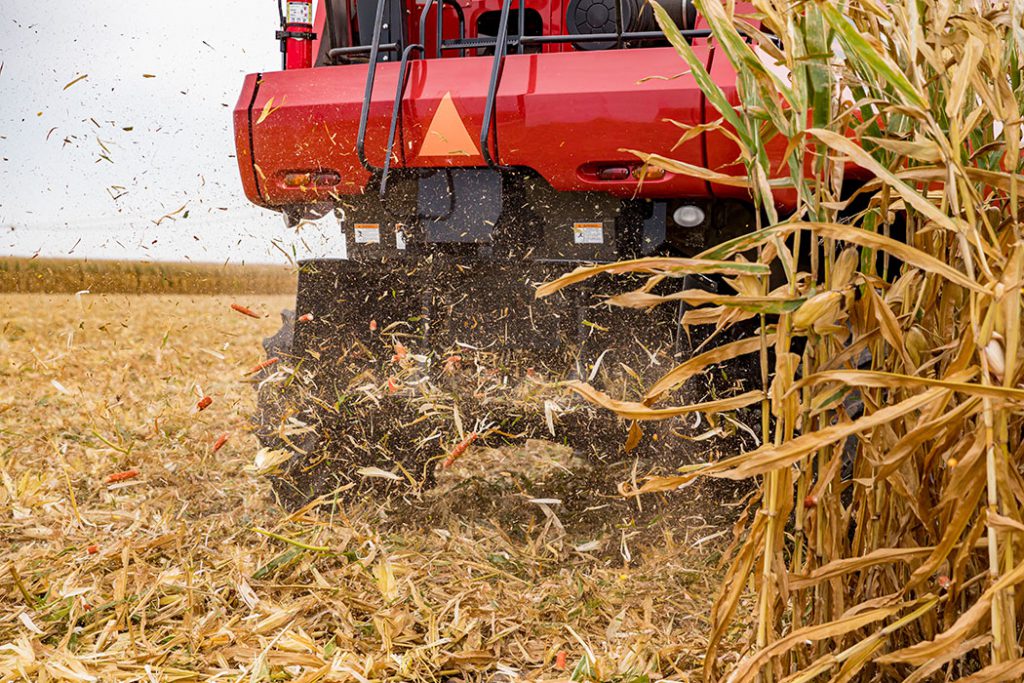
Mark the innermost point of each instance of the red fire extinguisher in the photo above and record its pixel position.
(296, 34)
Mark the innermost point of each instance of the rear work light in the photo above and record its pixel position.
(620, 172)
(648, 173)
(688, 216)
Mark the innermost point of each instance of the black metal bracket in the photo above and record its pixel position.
(302, 35)
(618, 23)
(332, 23)
(521, 17)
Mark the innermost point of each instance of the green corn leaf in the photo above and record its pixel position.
(816, 41)
(700, 73)
(855, 42)
(740, 53)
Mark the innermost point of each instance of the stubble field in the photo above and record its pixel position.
(130, 550)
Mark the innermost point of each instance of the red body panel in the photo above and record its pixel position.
(243, 150)
(561, 112)
(555, 113)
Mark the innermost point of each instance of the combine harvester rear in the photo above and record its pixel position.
(442, 158)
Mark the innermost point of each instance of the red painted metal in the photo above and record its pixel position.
(556, 113)
(562, 112)
(243, 149)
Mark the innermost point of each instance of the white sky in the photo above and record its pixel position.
(57, 192)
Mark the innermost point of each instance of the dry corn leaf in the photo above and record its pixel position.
(963, 627)
(674, 266)
(697, 364)
(749, 668)
(771, 457)
(894, 380)
(638, 411)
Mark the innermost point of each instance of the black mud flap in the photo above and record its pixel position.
(460, 206)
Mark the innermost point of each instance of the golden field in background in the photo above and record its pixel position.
(128, 545)
(27, 275)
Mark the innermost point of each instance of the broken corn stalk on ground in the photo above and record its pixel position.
(137, 544)
(905, 561)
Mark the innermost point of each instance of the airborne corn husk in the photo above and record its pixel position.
(908, 568)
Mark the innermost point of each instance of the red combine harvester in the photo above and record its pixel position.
(442, 157)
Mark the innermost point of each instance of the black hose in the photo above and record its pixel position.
(284, 48)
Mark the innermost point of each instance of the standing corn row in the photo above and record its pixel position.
(896, 334)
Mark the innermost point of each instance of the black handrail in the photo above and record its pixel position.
(497, 66)
(463, 44)
(618, 24)
(580, 38)
(395, 112)
(462, 24)
(521, 16)
(361, 49)
(371, 74)
(423, 21)
(599, 37)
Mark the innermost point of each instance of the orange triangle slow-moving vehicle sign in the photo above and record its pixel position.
(447, 135)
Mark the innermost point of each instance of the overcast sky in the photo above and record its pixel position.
(94, 165)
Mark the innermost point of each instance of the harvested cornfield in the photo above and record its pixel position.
(139, 541)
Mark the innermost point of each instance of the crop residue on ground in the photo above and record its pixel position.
(138, 545)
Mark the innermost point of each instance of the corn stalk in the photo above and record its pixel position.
(903, 266)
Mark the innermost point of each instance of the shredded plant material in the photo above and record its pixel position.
(188, 570)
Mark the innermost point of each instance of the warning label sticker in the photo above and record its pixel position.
(588, 233)
(367, 233)
(299, 13)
